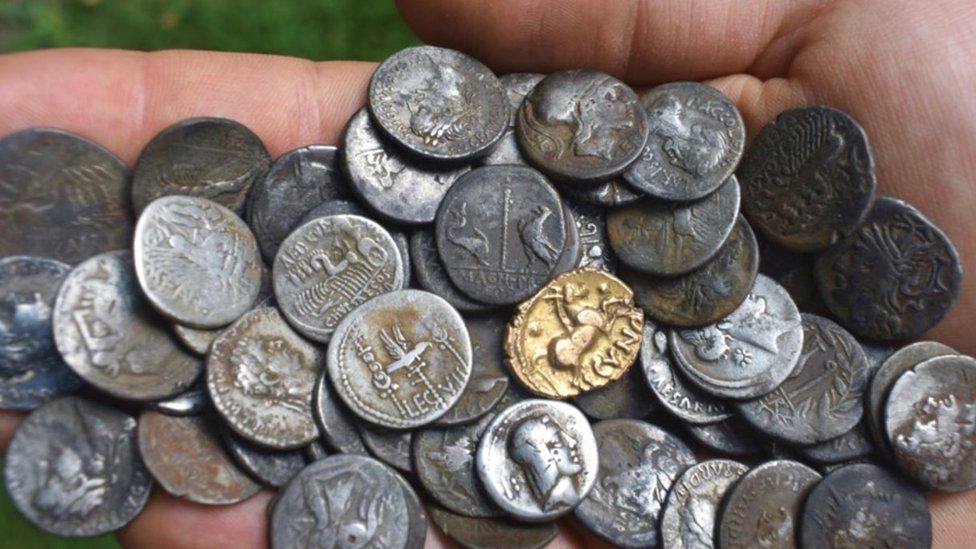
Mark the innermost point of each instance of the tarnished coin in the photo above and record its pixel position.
(707, 294)
(416, 516)
(609, 194)
(212, 158)
(730, 436)
(500, 231)
(61, 196)
(298, 181)
(331, 265)
(591, 222)
(342, 501)
(876, 354)
(196, 340)
(763, 508)
(668, 239)
(696, 140)
(579, 333)
(505, 151)
(269, 467)
(823, 397)
(691, 510)
(572, 252)
(794, 272)
(317, 450)
(438, 103)
(390, 446)
(31, 369)
(516, 86)
(491, 533)
(808, 178)
(335, 421)
(750, 352)
(863, 505)
(112, 339)
(538, 459)
(185, 456)
(894, 278)
(260, 375)
(581, 125)
(638, 464)
(625, 398)
(398, 187)
(489, 380)
(432, 276)
(197, 262)
(854, 444)
(401, 360)
(73, 468)
(192, 402)
(930, 420)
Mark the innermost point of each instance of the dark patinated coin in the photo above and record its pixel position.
(609, 194)
(336, 423)
(316, 450)
(61, 196)
(695, 142)
(572, 251)
(863, 505)
(808, 178)
(930, 420)
(690, 512)
(854, 444)
(626, 398)
(212, 158)
(416, 516)
(73, 468)
(668, 239)
(638, 464)
(438, 103)
(591, 223)
(731, 436)
(192, 402)
(431, 275)
(269, 467)
(793, 271)
(392, 447)
(763, 508)
(500, 232)
(491, 533)
(298, 181)
(707, 294)
(894, 278)
(517, 86)
(489, 380)
(196, 340)
(581, 125)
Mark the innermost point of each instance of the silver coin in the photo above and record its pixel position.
(269, 467)
(260, 375)
(192, 402)
(438, 103)
(538, 459)
(112, 339)
(626, 398)
(316, 451)
(572, 252)
(401, 360)
(638, 464)
(416, 516)
(73, 468)
(331, 265)
(31, 369)
(431, 275)
(506, 151)
(730, 436)
(591, 222)
(608, 194)
(668, 239)
(517, 86)
(854, 444)
(691, 510)
(489, 379)
(342, 501)
(392, 447)
(492, 533)
(338, 427)
(750, 352)
(196, 340)
(695, 142)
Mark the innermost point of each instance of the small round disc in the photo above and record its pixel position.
(691, 510)
(336, 422)
(489, 381)
(491, 533)
(392, 447)
(269, 467)
(196, 340)
(432, 276)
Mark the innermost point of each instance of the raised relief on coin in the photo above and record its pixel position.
(581, 125)
(608, 194)
(579, 333)
(591, 224)
(689, 515)
(197, 262)
(392, 447)
(489, 533)
(331, 265)
(516, 86)
(401, 360)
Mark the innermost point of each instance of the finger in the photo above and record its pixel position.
(8, 424)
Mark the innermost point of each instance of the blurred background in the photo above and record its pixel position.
(313, 29)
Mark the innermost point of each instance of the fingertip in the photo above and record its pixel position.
(8, 424)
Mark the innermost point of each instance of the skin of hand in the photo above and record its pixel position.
(905, 70)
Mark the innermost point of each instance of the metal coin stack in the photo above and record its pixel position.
(513, 299)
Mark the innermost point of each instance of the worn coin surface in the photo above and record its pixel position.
(930, 420)
(196, 340)
(196, 261)
(185, 456)
(317, 450)
(392, 447)
(431, 275)
(579, 333)
(269, 467)
(572, 252)
(417, 524)
(591, 223)
(298, 181)
(538, 459)
(342, 501)
(731, 436)
(894, 278)
(854, 444)
(260, 375)
(863, 505)
(73, 468)
(690, 512)
(438, 103)
(401, 360)
(638, 464)
(331, 265)
(668, 239)
(192, 402)
(516, 86)
(609, 194)
(581, 125)
(695, 142)
(61, 196)
(707, 294)
(492, 533)
(489, 380)
(212, 158)
(808, 178)
(500, 232)
(823, 397)
(110, 337)
(750, 352)
(626, 398)
(763, 509)
(336, 423)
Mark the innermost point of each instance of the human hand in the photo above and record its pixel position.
(904, 70)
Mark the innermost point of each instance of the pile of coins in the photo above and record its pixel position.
(428, 322)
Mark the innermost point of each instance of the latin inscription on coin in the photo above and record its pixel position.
(591, 223)
(689, 515)
(432, 276)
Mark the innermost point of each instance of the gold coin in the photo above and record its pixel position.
(579, 333)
